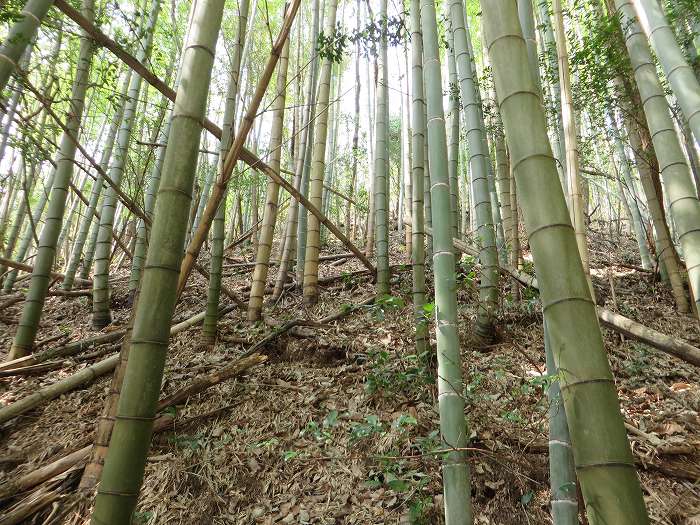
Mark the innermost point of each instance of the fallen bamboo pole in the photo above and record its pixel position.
(29, 269)
(614, 321)
(84, 376)
(78, 346)
(198, 385)
(649, 336)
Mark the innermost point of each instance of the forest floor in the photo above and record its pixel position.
(338, 426)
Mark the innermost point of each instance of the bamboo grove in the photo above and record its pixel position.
(145, 142)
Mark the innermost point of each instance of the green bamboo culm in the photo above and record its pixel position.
(149, 200)
(637, 223)
(46, 251)
(211, 317)
(479, 161)
(318, 168)
(604, 461)
(680, 74)
(96, 190)
(161, 134)
(453, 135)
(562, 474)
(675, 172)
(305, 138)
(20, 36)
(262, 259)
(101, 313)
(418, 174)
(27, 237)
(381, 161)
(453, 425)
(124, 466)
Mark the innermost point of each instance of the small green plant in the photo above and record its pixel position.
(372, 425)
(513, 416)
(143, 517)
(404, 421)
(409, 374)
(289, 455)
(418, 510)
(189, 443)
(397, 476)
(322, 432)
(466, 270)
(426, 313)
(268, 443)
(428, 444)
(384, 304)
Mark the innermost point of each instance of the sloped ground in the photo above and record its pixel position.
(339, 425)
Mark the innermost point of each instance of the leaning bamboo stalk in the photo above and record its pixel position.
(20, 36)
(570, 136)
(130, 60)
(122, 475)
(86, 375)
(604, 460)
(219, 189)
(649, 336)
(683, 202)
(680, 74)
(480, 168)
(62, 351)
(321, 217)
(27, 268)
(28, 325)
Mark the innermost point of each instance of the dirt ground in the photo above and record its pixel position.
(340, 424)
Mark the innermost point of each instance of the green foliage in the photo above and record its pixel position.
(526, 498)
(335, 45)
(189, 443)
(398, 476)
(384, 304)
(637, 364)
(332, 47)
(466, 270)
(371, 426)
(10, 11)
(322, 432)
(408, 375)
(143, 517)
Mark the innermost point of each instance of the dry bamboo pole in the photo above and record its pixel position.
(612, 320)
(575, 199)
(196, 386)
(84, 376)
(27, 268)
